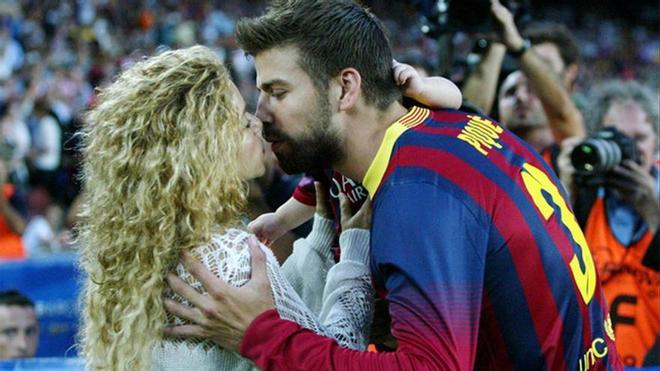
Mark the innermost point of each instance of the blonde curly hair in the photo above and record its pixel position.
(160, 175)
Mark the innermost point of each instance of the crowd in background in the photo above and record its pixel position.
(53, 54)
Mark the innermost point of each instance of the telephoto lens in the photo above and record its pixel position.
(600, 153)
(596, 155)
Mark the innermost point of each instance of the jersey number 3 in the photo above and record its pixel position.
(582, 264)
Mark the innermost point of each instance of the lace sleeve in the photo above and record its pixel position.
(227, 256)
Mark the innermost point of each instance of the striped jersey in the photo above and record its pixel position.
(477, 251)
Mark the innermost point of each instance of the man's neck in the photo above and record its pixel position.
(364, 136)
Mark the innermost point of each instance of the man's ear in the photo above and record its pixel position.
(351, 88)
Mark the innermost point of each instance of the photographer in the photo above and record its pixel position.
(535, 102)
(618, 211)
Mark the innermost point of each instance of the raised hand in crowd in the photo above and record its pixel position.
(562, 118)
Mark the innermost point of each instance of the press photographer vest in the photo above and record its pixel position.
(630, 281)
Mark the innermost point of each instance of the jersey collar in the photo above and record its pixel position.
(374, 176)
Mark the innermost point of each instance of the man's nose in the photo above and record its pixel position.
(263, 109)
(522, 94)
(21, 343)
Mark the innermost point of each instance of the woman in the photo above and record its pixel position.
(168, 149)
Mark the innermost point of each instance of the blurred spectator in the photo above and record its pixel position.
(12, 223)
(15, 143)
(620, 216)
(559, 49)
(61, 50)
(46, 147)
(11, 54)
(535, 102)
(19, 328)
(42, 235)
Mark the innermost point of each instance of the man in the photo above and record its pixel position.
(472, 241)
(535, 102)
(19, 329)
(621, 218)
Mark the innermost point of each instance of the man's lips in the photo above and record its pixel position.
(275, 144)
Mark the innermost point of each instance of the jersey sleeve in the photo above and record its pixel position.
(305, 192)
(428, 251)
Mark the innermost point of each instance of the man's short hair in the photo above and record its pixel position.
(604, 95)
(15, 298)
(558, 34)
(331, 35)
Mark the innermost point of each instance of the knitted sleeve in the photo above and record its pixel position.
(347, 305)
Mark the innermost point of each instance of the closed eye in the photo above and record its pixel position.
(278, 94)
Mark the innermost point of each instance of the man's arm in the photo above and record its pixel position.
(564, 118)
(429, 252)
(481, 85)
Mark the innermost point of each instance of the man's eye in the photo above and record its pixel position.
(278, 94)
(11, 332)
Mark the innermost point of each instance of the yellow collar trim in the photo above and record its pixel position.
(378, 166)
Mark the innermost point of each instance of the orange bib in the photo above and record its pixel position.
(632, 289)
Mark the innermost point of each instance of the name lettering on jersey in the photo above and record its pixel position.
(481, 133)
(597, 351)
(353, 191)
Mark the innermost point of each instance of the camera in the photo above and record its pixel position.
(597, 155)
(438, 17)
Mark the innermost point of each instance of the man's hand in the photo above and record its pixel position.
(322, 201)
(636, 186)
(226, 312)
(566, 170)
(361, 219)
(509, 34)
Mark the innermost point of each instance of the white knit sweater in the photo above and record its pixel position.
(333, 300)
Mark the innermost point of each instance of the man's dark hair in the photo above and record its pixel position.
(558, 34)
(331, 35)
(13, 297)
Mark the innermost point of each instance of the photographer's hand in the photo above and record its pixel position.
(566, 170)
(510, 35)
(637, 186)
(564, 119)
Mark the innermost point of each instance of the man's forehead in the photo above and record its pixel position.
(515, 78)
(626, 113)
(13, 312)
(279, 65)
